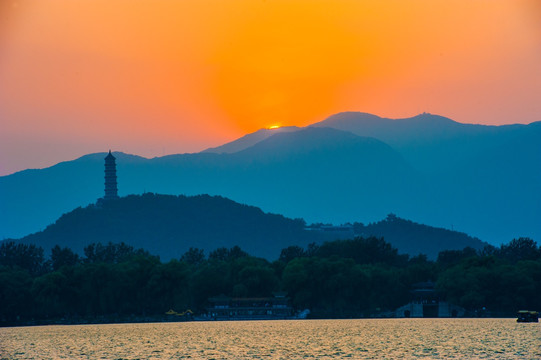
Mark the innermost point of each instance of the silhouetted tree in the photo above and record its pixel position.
(112, 253)
(346, 278)
(193, 256)
(520, 249)
(224, 254)
(28, 257)
(311, 249)
(236, 252)
(63, 257)
(449, 258)
(363, 251)
(16, 301)
(290, 253)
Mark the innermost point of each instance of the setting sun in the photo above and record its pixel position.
(154, 78)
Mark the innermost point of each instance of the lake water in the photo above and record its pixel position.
(300, 339)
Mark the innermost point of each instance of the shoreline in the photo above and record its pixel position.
(162, 319)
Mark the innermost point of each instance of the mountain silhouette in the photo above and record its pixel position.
(434, 143)
(248, 140)
(483, 180)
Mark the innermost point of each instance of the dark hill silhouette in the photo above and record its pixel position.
(410, 237)
(168, 226)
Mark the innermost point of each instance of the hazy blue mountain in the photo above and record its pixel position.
(168, 226)
(434, 143)
(319, 174)
(399, 132)
(483, 180)
(249, 140)
(33, 199)
(486, 180)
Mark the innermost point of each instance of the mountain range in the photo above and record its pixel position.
(482, 180)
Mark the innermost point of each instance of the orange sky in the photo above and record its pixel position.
(154, 77)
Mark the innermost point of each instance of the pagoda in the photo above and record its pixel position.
(111, 191)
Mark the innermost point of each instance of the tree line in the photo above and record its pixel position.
(341, 279)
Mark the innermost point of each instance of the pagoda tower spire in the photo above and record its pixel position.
(111, 191)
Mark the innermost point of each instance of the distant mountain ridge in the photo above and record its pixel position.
(483, 180)
(249, 140)
(424, 127)
(428, 140)
(168, 226)
(396, 132)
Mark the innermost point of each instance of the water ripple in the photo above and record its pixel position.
(306, 339)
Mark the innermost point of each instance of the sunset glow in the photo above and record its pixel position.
(158, 77)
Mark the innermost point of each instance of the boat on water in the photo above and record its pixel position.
(527, 316)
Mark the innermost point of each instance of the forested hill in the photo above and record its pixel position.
(412, 238)
(168, 226)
